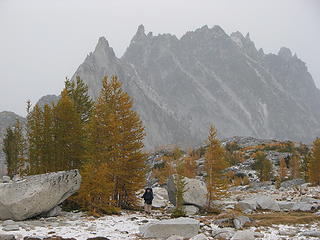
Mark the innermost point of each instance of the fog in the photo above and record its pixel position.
(43, 41)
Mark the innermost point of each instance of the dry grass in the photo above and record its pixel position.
(268, 219)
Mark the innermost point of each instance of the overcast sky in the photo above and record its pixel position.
(44, 41)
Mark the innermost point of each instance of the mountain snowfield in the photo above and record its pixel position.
(181, 86)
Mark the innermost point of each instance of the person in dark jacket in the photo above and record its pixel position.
(148, 197)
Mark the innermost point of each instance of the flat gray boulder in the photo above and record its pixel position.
(292, 183)
(247, 204)
(195, 192)
(7, 237)
(286, 205)
(37, 194)
(243, 235)
(311, 234)
(184, 227)
(267, 203)
(303, 207)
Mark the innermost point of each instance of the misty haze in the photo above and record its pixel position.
(212, 106)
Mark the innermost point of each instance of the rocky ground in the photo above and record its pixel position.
(126, 226)
(255, 210)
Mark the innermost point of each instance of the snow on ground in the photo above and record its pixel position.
(81, 227)
(292, 232)
(126, 227)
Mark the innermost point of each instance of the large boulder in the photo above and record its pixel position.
(184, 227)
(38, 194)
(286, 205)
(160, 197)
(247, 204)
(267, 203)
(258, 202)
(303, 207)
(195, 191)
(292, 183)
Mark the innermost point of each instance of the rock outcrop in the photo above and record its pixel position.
(38, 194)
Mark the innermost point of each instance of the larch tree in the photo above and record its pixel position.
(295, 166)
(283, 170)
(35, 141)
(115, 138)
(69, 149)
(14, 149)
(96, 189)
(263, 166)
(78, 91)
(215, 163)
(314, 165)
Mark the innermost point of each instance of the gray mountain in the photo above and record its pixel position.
(48, 100)
(7, 119)
(181, 86)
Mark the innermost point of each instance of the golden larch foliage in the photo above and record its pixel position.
(314, 165)
(215, 163)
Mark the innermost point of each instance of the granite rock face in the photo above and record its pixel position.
(37, 194)
(180, 86)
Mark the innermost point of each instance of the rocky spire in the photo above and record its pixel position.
(285, 53)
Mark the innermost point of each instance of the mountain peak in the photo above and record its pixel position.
(285, 53)
(141, 30)
(104, 48)
(103, 42)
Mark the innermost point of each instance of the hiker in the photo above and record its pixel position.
(148, 197)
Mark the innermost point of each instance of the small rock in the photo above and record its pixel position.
(223, 222)
(288, 233)
(243, 235)
(191, 210)
(311, 234)
(240, 221)
(98, 238)
(31, 238)
(10, 228)
(221, 233)
(8, 222)
(200, 236)
(258, 235)
(175, 237)
(7, 237)
(6, 179)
